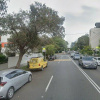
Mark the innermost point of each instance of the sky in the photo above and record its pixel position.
(80, 15)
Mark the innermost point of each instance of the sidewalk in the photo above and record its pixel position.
(3, 66)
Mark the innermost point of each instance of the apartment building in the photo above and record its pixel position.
(94, 36)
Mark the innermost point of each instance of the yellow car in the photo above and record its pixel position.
(37, 63)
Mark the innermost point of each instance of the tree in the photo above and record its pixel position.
(87, 50)
(3, 10)
(50, 49)
(3, 7)
(81, 42)
(25, 27)
(60, 44)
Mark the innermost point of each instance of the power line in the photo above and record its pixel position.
(75, 34)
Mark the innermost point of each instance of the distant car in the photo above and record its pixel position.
(97, 59)
(37, 63)
(76, 56)
(87, 62)
(52, 57)
(72, 54)
(11, 80)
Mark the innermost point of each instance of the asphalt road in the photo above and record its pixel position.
(63, 79)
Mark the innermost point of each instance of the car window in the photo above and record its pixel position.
(12, 75)
(88, 58)
(33, 60)
(98, 58)
(20, 72)
(80, 57)
(77, 55)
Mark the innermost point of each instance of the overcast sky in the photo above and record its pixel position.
(80, 15)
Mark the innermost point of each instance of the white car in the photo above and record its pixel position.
(72, 54)
(11, 80)
(97, 59)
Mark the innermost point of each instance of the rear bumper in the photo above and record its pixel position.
(33, 68)
(3, 92)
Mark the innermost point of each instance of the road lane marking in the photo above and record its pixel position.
(49, 83)
(62, 60)
(88, 78)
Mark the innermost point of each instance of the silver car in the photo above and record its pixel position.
(87, 62)
(72, 54)
(76, 56)
(11, 80)
(97, 59)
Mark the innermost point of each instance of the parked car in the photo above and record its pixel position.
(52, 57)
(37, 63)
(87, 62)
(11, 80)
(97, 59)
(76, 56)
(72, 54)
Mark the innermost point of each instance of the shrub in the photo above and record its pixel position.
(3, 59)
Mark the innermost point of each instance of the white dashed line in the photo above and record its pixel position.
(49, 83)
(87, 77)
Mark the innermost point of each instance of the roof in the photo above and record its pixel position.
(7, 71)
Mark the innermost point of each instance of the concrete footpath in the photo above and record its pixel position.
(3, 66)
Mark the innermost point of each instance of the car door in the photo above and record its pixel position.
(13, 79)
(23, 77)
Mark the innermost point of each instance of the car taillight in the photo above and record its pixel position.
(2, 83)
(39, 64)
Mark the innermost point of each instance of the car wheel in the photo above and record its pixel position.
(42, 68)
(10, 93)
(96, 67)
(30, 78)
(82, 66)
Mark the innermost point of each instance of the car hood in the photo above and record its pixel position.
(88, 62)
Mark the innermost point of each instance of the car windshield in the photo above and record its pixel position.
(77, 55)
(33, 60)
(98, 58)
(88, 58)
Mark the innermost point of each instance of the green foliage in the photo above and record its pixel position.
(81, 42)
(87, 50)
(47, 20)
(60, 44)
(26, 26)
(3, 7)
(50, 49)
(25, 68)
(3, 59)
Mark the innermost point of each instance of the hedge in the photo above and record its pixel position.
(3, 59)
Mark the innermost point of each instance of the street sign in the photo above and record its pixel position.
(97, 47)
(43, 50)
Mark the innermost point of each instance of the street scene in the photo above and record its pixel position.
(62, 79)
(49, 50)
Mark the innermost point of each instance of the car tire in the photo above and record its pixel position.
(96, 67)
(29, 78)
(10, 93)
(42, 68)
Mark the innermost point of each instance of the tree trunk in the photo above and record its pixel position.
(19, 60)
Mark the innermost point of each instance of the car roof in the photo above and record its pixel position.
(7, 71)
